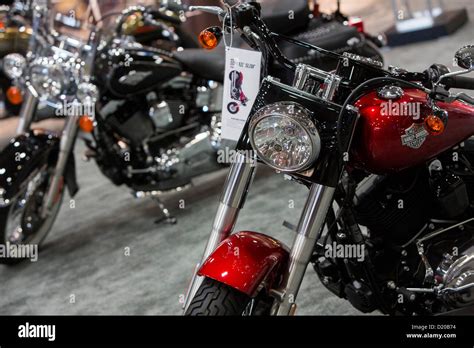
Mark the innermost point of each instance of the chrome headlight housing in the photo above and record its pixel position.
(284, 137)
(48, 77)
(14, 65)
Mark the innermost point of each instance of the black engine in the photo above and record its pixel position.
(392, 218)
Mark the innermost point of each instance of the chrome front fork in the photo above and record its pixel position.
(68, 137)
(310, 225)
(28, 110)
(309, 228)
(231, 202)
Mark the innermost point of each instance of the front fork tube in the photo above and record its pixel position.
(28, 110)
(231, 202)
(310, 225)
(68, 138)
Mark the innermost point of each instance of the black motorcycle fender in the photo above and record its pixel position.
(24, 155)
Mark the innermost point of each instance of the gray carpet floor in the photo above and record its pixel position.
(83, 267)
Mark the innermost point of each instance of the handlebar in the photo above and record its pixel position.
(458, 82)
(442, 80)
(149, 14)
(216, 10)
(246, 19)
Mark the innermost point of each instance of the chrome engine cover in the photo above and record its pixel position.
(458, 280)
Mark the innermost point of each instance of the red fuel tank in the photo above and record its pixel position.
(390, 135)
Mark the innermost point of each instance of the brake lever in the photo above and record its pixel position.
(439, 93)
(465, 98)
(216, 10)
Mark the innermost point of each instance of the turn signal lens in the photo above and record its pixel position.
(210, 37)
(86, 124)
(434, 125)
(14, 95)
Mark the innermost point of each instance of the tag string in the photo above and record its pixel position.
(229, 15)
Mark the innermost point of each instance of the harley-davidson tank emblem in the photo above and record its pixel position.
(414, 136)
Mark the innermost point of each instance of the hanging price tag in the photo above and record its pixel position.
(241, 85)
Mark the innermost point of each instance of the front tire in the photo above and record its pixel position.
(21, 223)
(217, 299)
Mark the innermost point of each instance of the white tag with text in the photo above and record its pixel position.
(241, 85)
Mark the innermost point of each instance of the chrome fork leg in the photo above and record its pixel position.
(309, 227)
(28, 110)
(68, 137)
(231, 202)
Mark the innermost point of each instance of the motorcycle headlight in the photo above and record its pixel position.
(48, 78)
(284, 137)
(14, 65)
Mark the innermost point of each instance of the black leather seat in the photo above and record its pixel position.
(276, 15)
(207, 64)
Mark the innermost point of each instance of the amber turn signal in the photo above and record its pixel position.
(14, 95)
(210, 37)
(434, 125)
(86, 124)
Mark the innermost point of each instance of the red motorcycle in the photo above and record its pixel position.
(388, 158)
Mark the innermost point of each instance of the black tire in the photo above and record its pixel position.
(216, 299)
(39, 234)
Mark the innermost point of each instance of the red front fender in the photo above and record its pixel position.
(245, 260)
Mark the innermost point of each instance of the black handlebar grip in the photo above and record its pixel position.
(459, 82)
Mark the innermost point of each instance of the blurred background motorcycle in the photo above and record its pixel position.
(14, 36)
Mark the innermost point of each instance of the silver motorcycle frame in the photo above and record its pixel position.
(310, 226)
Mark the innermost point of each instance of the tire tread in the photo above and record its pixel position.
(217, 299)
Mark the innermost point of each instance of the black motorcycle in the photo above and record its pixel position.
(14, 37)
(150, 118)
(301, 20)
